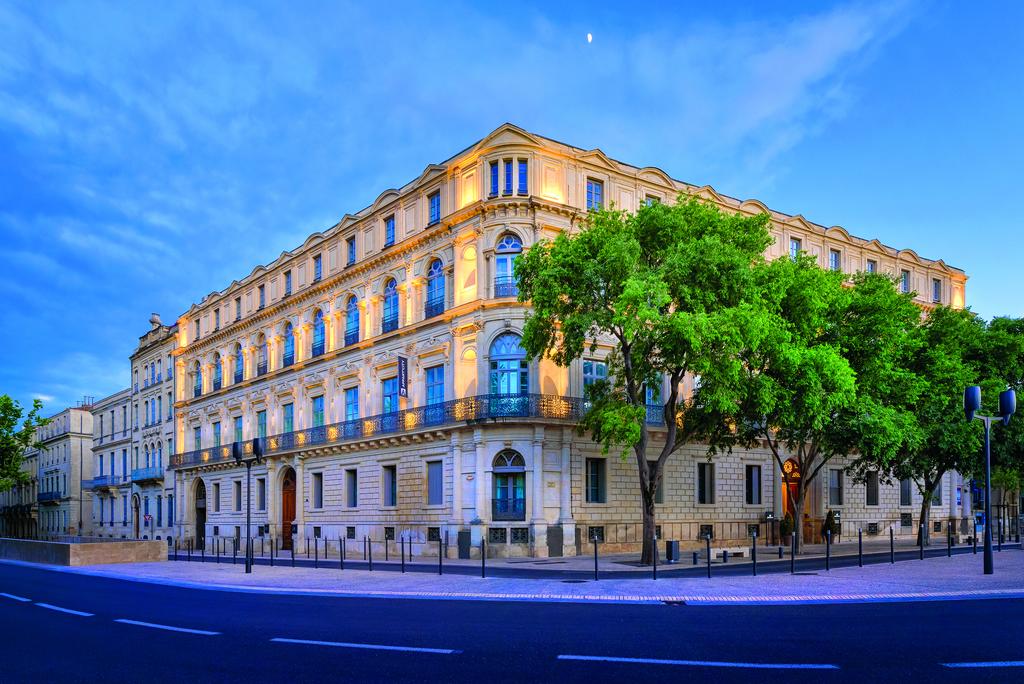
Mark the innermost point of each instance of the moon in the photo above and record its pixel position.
(590, 38)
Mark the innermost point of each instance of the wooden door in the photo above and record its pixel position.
(287, 508)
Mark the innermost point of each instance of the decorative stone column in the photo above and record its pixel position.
(537, 522)
(300, 497)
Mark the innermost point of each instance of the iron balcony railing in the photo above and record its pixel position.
(433, 307)
(150, 473)
(104, 481)
(288, 360)
(318, 348)
(351, 337)
(261, 368)
(508, 509)
(47, 497)
(506, 287)
(216, 385)
(238, 377)
(389, 324)
(197, 391)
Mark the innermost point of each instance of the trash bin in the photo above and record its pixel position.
(672, 551)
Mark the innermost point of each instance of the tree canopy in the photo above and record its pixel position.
(17, 434)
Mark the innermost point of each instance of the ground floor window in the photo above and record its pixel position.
(596, 486)
(753, 482)
(705, 483)
(835, 487)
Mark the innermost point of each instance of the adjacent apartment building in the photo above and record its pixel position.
(380, 363)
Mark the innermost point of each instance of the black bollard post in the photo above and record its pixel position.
(189, 545)
(792, 554)
(307, 547)
(175, 549)
(369, 549)
(234, 552)
(483, 559)
(695, 559)
(920, 541)
(293, 553)
(316, 553)
(780, 553)
(999, 544)
(402, 542)
(707, 539)
(654, 567)
(216, 549)
(202, 552)
(341, 552)
(828, 550)
(273, 545)
(974, 541)
(949, 542)
(892, 547)
(252, 553)
(860, 547)
(753, 552)
(364, 547)
(440, 557)
(594, 542)
(386, 548)
(261, 547)
(344, 552)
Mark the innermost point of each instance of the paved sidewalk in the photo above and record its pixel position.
(959, 577)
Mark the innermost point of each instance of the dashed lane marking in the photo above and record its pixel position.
(16, 598)
(373, 647)
(169, 628)
(993, 663)
(50, 606)
(703, 663)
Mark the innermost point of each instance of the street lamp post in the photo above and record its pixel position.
(1007, 406)
(236, 453)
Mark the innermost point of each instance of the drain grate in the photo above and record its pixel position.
(805, 573)
(674, 603)
(573, 581)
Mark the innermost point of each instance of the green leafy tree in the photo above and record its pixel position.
(673, 289)
(827, 381)
(1004, 360)
(17, 434)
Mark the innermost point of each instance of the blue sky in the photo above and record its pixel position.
(150, 154)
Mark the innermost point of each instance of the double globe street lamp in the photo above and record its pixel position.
(257, 456)
(1007, 406)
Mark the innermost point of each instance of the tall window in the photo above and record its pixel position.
(261, 355)
(435, 384)
(216, 434)
(508, 177)
(195, 330)
(238, 308)
(218, 372)
(522, 177)
(905, 281)
(596, 490)
(350, 250)
(509, 482)
(434, 204)
(705, 483)
(288, 417)
(197, 387)
(389, 491)
(262, 296)
(318, 411)
(170, 510)
(390, 320)
(753, 485)
(287, 283)
(872, 266)
(261, 494)
(506, 251)
(794, 248)
(494, 179)
(216, 326)
(435, 290)
(936, 290)
(905, 492)
(289, 346)
(389, 395)
(319, 333)
(592, 372)
(352, 403)
(317, 268)
(318, 490)
(351, 321)
(239, 364)
(261, 424)
(197, 439)
(389, 231)
(509, 369)
(351, 488)
(871, 489)
(236, 487)
(937, 494)
(835, 260)
(595, 194)
(835, 487)
(435, 483)
(238, 429)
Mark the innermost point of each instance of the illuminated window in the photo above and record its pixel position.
(319, 333)
(389, 321)
(289, 346)
(507, 251)
(435, 290)
(239, 363)
(351, 321)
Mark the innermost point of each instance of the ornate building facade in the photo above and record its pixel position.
(380, 363)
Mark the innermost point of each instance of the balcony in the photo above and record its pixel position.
(508, 509)
(389, 324)
(152, 473)
(197, 392)
(49, 497)
(351, 337)
(433, 307)
(496, 408)
(216, 385)
(238, 377)
(261, 368)
(506, 287)
(288, 360)
(318, 348)
(105, 482)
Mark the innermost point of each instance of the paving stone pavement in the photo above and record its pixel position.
(959, 577)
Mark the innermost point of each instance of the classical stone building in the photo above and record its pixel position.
(19, 506)
(380, 363)
(109, 514)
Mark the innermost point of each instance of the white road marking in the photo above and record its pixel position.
(704, 663)
(994, 663)
(374, 647)
(50, 606)
(16, 598)
(169, 628)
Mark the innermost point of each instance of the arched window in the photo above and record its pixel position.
(509, 497)
(145, 412)
(435, 290)
(289, 345)
(239, 363)
(509, 369)
(197, 374)
(319, 333)
(390, 320)
(261, 355)
(145, 450)
(506, 251)
(218, 371)
(351, 321)
(160, 455)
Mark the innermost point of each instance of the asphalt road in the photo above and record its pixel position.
(125, 631)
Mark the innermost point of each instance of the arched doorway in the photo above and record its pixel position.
(200, 500)
(790, 483)
(287, 507)
(508, 500)
(135, 516)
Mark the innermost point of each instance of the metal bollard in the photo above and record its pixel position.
(402, 541)
(344, 552)
(828, 550)
(369, 556)
(594, 541)
(707, 539)
(386, 548)
(341, 552)
(892, 547)
(974, 542)
(316, 553)
(654, 567)
(202, 552)
(261, 547)
(860, 547)
(999, 544)
(780, 553)
(920, 541)
(695, 559)
(293, 553)
(725, 556)
(364, 547)
(483, 559)
(273, 545)
(216, 549)
(440, 557)
(234, 552)
(190, 549)
(949, 542)
(753, 552)
(792, 554)
(175, 549)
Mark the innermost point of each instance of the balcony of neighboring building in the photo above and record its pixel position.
(149, 474)
(50, 497)
(105, 482)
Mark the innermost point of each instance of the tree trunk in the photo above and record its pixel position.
(925, 523)
(798, 518)
(648, 549)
